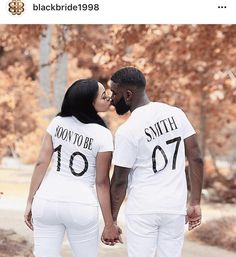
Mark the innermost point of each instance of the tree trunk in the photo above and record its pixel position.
(44, 66)
(61, 71)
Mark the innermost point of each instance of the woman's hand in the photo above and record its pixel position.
(28, 216)
(111, 235)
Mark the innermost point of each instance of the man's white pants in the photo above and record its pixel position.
(52, 219)
(150, 234)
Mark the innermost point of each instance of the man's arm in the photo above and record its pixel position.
(196, 180)
(119, 183)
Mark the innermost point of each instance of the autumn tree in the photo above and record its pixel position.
(190, 66)
(21, 118)
(185, 66)
(33, 61)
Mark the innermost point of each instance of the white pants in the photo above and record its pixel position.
(52, 219)
(150, 234)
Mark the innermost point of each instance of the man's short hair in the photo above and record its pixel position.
(129, 76)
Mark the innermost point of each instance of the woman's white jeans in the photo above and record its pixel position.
(52, 219)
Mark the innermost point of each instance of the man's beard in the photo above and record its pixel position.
(121, 107)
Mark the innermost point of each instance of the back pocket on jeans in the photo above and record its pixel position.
(84, 216)
(38, 207)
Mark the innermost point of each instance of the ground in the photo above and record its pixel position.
(16, 238)
(12, 244)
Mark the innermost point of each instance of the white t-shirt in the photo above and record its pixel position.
(151, 143)
(72, 175)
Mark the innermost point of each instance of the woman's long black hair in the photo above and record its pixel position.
(78, 101)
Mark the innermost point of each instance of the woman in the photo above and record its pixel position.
(81, 147)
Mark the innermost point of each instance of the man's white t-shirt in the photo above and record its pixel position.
(151, 143)
(72, 174)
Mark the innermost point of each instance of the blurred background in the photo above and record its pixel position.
(189, 66)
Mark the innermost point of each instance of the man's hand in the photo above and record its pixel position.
(111, 235)
(194, 216)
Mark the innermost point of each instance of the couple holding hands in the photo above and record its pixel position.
(149, 159)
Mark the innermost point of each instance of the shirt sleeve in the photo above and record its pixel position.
(187, 127)
(52, 127)
(106, 142)
(125, 152)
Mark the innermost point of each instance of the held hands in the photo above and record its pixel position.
(28, 216)
(194, 216)
(111, 235)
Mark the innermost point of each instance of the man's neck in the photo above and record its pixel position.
(141, 101)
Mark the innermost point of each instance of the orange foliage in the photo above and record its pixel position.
(21, 119)
(185, 65)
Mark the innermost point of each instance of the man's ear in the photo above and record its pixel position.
(128, 96)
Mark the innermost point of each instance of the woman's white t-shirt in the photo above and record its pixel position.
(72, 174)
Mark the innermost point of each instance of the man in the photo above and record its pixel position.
(149, 158)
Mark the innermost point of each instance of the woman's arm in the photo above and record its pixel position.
(41, 166)
(111, 231)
